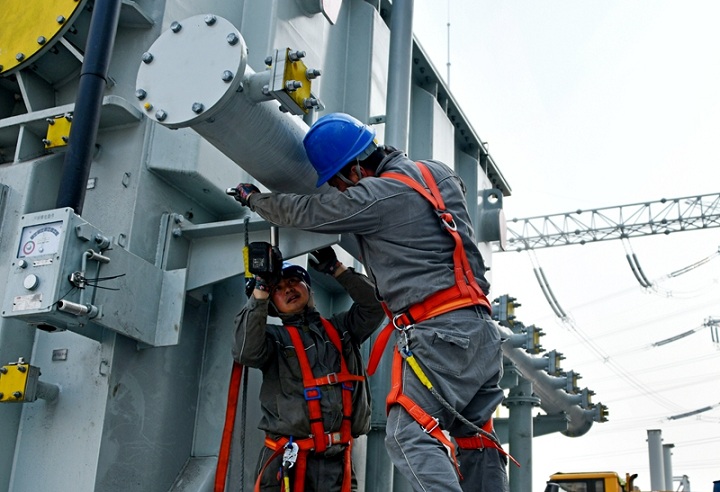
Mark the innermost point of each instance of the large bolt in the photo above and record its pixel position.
(60, 19)
(232, 39)
(21, 368)
(312, 73)
(17, 395)
(140, 94)
(175, 27)
(41, 40)
(50, 121)
(210, 19)
(198, 107)
(20, 56)
(292, 85)
(160, 115)
(227, 76)
(296, 55)
(147, 57)
(310, 102)
(69, 117)
(3, 370)
(46, 142)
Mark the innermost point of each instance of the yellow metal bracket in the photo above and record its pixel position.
(291, 82)
(17, 382)
(58, 131)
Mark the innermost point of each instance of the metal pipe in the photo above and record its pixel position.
(77, 309)
(657, 474)
(667, 465)
(86, 118)
(399, 74)
(520, 402)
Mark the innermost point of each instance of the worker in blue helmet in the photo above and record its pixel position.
(314, 398)
(417, 243)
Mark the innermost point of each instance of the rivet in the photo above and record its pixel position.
(140, 94)
(227, 76)
(232, 39)
(41, 40)
(198, 108)
(210, 19)
(160, 115)
(20, 56)
(60, 19)
(147, 57)
(175, 26)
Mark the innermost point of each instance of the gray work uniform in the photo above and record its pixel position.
(409, 257)
(284, 409)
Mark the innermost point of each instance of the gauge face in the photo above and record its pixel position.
(40, 239)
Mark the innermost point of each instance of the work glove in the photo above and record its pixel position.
(258, 283)
(243, 191)
(324, 260)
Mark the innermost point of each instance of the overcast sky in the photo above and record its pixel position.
(599, 104)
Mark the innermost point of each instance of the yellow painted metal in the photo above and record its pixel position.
(58, 131)
(13, 381)
(27, 27)
(297, 70)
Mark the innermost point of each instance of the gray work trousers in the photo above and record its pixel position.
(461, 355)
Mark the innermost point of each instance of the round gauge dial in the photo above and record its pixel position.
(40, 239)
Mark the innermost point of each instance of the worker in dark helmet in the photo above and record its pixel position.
(314, 396)
(418, 246)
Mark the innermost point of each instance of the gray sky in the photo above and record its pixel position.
(598, 104)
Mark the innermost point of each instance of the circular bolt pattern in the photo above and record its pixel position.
(175, 26)
(210, 19)
(198, 108)
(232, 39)
(147, 57)
(227, 76)
(160, 115)
(140, 94)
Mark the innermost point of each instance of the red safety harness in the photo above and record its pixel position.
(466, 292)
(319, 439)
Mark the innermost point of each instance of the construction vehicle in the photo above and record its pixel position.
(591, 482)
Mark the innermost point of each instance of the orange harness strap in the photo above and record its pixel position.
(426, 421)
(230, 413)
(319, 440)
(479, 441)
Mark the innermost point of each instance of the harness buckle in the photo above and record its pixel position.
(312, 393)
(402, 327)
(332, 378)
(428, 431)
(447, 221)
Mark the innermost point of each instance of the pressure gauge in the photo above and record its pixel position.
(40, 239)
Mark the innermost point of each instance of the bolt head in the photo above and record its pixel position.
(140, 94)
(210, 19)
(227, 76)
(50, 121)
(20, 56)
(175, 27)
(232, 39)
(60, 19)
(160, 115)
(147, 57)
(268, 61)
(198, 107)
(41, 40)
(17, 395)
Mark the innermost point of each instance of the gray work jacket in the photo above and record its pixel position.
(269, 348)
(403, 245)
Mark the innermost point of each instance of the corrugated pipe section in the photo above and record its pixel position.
(86, 117)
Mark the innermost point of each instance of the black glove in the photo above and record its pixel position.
(258, 283)
(324, 260)
(243, 191)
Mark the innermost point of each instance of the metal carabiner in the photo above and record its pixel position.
(397, 326)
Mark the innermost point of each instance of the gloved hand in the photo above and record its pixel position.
(243, 191)
(258, 283)
(324, 260)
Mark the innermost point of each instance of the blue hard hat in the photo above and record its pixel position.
(334, 141)
(291, 270)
